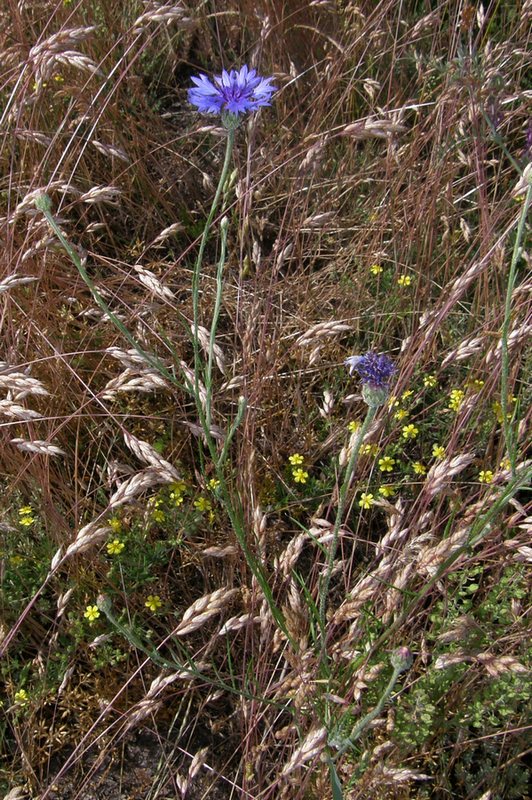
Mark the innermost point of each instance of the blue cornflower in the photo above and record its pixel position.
(233, 92)
(376, 371)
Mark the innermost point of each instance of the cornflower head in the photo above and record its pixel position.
(376, 371)
(231, 94)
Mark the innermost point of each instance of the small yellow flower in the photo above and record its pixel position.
(505, 463)
(21, 697)
(393, 402)
(203, 504)
(91, 613)
(429, 381)
(176, 499)
(404, 280)
(115, 524)
(300, 475)
(369, 449)
(179, 487)
(485, 476)
(401, 414)
(406, 394)
(158, 516)
(26, 521)
(25, 511)
(376, 269)
(115, 547)
(419, 468)
(295, 459)
(366, 500)
(478, 383)
(153, 602)
(213, 484)
(16, 560)
(59, 79)
(410, 431)
(455, 399)
(386, 464)
(438, 451)
(386, 490)
(354, 426)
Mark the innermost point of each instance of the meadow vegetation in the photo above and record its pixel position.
(222, 576)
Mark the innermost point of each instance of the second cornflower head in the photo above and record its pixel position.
(376, 371)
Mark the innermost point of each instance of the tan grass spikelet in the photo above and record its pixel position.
(111, 150)
(440, 474)
(166, 233)
(137, 484)
(465, 350)
(15, 280)
(203, 609)
(237, 623)
(14, 411)
(321, 331)
(151, 282)
(204, 340)
(87, 537)
(146, 453)
(309, 749)
(21, 385)
(43, 55)
(132, 381)
(101, 194)
(161, 12)
(38, 446)
(432, 556)
(516, 336)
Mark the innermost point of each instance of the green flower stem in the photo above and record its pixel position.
(351, 466)
(105, 605)
(224, 226)
(196, 274)
(511, 445)
(362, 724)
(44, 204)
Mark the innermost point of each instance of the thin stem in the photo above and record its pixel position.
(505, 357)
(351, 466)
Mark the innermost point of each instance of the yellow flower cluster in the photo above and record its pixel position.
(404, 280)
(25, 516)
(354, 426)
(21, 697)
(299, 474)
(455, 399)
(485, 476)
(177, 493)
